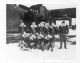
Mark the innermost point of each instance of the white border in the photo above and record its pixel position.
(55, 2)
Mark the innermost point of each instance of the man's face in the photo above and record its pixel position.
(53, 24)
(33, 23)
(63, 24)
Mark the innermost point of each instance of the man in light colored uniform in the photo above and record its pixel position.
(47, 27)
(41, 26)
(22, 26)
(33, 26)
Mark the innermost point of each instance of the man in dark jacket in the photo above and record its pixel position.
(63, 31)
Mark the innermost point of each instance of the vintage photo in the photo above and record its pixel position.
(38, 32)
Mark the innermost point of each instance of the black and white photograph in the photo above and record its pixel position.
(40, 33)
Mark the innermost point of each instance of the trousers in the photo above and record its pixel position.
(62, 39)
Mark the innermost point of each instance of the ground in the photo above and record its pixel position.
(15, 54)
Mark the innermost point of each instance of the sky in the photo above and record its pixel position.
(55, 6)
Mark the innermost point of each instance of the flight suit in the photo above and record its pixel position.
(63, 32)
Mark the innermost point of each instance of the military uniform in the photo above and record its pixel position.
(63, 32)
(41, 40)
(33, 26)
(41, 26)
(52, 32)
(25, 38)
(33, 41)
(22, 29)
(49, 42)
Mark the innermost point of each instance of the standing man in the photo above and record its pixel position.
(46, 29)
(63, 31)
(54, 31)
(41, 26)
(22, 27)
(34, 26)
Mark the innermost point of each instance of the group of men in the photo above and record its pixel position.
(42, 36)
